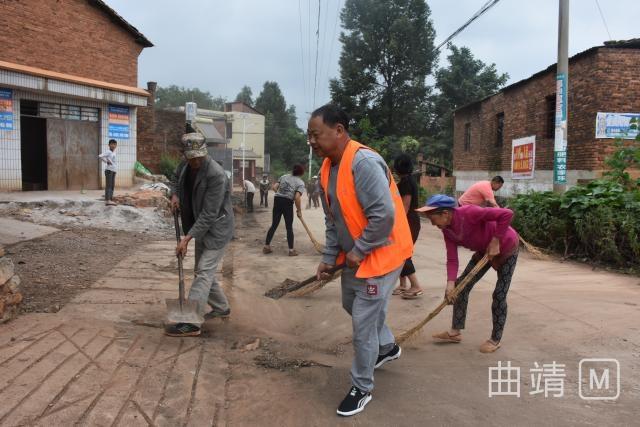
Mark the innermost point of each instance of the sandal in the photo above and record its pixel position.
(399, 291)
(412, 294)
(489, 346)
(447, 337)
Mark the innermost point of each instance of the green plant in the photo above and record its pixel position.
(168, 165)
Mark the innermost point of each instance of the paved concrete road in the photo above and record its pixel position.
(14, 231)
(103, 360)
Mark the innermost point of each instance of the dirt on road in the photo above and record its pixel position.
(103, 360)
(54, 268)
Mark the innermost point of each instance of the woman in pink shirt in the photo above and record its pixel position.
(483, 230)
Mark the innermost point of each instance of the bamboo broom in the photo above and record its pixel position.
(457, 290)
(312, 287)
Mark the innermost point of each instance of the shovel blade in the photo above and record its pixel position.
(187, 314)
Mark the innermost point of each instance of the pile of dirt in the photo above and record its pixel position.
(143, 199)
(10, 295)
(94, 214)
(54, 268)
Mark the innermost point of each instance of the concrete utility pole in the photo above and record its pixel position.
(562, 93)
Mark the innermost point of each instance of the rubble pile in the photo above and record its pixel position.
(10, 296)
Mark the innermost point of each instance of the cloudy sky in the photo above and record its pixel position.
(221, 45)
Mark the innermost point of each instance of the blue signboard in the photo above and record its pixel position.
(6, 109)
(118, 122)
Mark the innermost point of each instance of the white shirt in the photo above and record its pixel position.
(248, 185)
(109, 157)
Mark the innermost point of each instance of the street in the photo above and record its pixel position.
(103, 359)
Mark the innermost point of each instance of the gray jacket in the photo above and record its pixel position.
(211, 204)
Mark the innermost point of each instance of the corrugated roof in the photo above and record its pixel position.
(210, 132)
(119, 20)
(617, 44)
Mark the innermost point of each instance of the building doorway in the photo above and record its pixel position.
(33, 152)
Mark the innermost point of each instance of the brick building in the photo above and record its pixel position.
(159, 133)
(603, 79)
(68, 77)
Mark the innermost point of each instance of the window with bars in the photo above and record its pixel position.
(467, 137)
(499, 129)
(68, 112)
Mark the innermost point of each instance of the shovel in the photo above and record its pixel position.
(181, 310)
(291, 285)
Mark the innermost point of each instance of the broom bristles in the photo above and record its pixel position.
(533, 250)
(312, 287)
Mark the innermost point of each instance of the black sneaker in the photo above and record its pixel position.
(182, 330)
(220, 314)
(394, 354)
(354, 402)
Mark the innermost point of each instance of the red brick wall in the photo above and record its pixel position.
(159, 132)
(69, 36)
(605, 80)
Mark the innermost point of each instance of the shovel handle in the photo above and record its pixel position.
(180, 269)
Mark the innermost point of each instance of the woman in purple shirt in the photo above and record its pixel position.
(483, 230)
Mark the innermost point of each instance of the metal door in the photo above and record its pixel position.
(72, 155)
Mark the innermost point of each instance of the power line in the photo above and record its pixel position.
(309, 43)
(323, 52)
(304, 81)
(333, 42)
(604, 21)
(488, 5)
(315, 80)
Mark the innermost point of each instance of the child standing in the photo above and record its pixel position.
(109, 157)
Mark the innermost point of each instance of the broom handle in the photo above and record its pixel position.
(469, 277)
(313, 240)
(457, 290)
(314, 277)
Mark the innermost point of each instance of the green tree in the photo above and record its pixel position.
(386, 56)
(272, 104)
(176, 96)
(463, 81)
(245, 95)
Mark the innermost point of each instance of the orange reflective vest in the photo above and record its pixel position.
(386, 258)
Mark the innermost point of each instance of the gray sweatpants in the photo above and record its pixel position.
(366, 301)
(205, 288)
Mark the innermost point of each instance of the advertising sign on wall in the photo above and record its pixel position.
(523, 157)
(6, 109)
(118, 122)
(617, 125)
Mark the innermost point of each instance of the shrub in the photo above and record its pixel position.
(168, 165)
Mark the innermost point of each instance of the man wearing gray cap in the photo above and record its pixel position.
(201, 193)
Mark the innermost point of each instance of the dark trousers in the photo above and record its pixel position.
(249, 202)
(264, 198)
(499, 305)
(282, 207)
(409, 268)
(110, 185)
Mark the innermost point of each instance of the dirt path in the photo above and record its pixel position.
(54, 268)
(102, 360)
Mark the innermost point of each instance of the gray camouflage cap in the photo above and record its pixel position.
(194, 145)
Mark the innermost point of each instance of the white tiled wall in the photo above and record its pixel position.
(10, 167)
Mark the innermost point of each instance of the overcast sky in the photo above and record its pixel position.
(221, 45)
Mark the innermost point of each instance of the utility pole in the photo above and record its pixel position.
(562, 92)
(242, 146)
